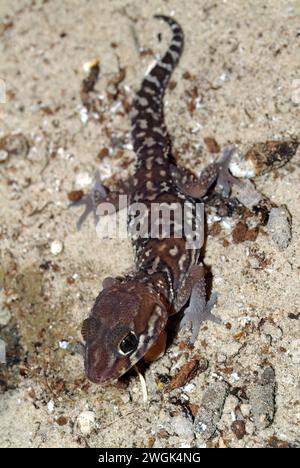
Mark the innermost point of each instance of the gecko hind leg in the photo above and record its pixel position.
(199, 310)
(217, 172)
(192, 186)
(225, 181)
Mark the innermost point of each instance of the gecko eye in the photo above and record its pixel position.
(128, 344)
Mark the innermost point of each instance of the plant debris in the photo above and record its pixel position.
(188, 371)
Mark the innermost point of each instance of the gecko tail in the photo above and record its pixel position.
(160, 74)
(147, 111)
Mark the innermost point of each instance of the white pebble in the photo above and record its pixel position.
(241, 167)
(84, 116)
(87, 66)
(116, 107)
(5, 317)
(234, 377)
(56, 247)
(245, 409)
(294, 351)
(5, 314)
(189, 387)
(83, 180)
(50, 406)
(86, 422)
(183, 427)
(2, 352)
(3, 155)
(227, 224)
(63, 344)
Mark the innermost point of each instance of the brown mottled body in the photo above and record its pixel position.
(128, 319)
(163, 262)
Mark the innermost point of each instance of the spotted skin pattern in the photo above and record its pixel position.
(128, 320)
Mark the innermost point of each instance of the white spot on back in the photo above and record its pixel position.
(133, 113)
(153, 269)
(149, 163)
(154, 80)
(149, 90)
(176, 43)
(149, 141)
(182, 261)
(173, 251)
(143, 101)
(166, 66)
(149, 185)
(174, 55)
(159, 130)
(143, 124)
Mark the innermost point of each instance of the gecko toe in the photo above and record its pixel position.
(225, 179)
(198, 312)
(90, 201)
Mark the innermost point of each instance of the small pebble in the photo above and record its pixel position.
(56, 247)
(2, 352)
(5, 317)
(75, 195)
(250, 427)
(84, 115)
(5, 314)
(87, 66)
(14, 144)
(63, 344)
(239, 167)
(50, 406)
(238, 428)
(183, 427)
(245, 409)
(85, 422)
(220, 358)
(83, 180)
(3, 155)
(210, 410)
(189, 387)
(279, 227)
(61, 421)
(248, 195)
(262, 399)
(294, 351)
(271, 329)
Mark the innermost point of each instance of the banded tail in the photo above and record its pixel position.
(147, 118)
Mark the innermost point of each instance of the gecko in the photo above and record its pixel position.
(127, 322)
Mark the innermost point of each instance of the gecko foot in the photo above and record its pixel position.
(91, 200)
(225, 180)
(199, 310)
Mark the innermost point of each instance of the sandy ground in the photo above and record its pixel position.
(243, 58)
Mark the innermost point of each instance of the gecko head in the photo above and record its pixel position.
(124, 324)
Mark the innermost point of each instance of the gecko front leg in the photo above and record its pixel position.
(199, 309)
(99, 194)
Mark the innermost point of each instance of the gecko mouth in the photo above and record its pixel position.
(101, 368)
(101, 377)
(96, 378)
